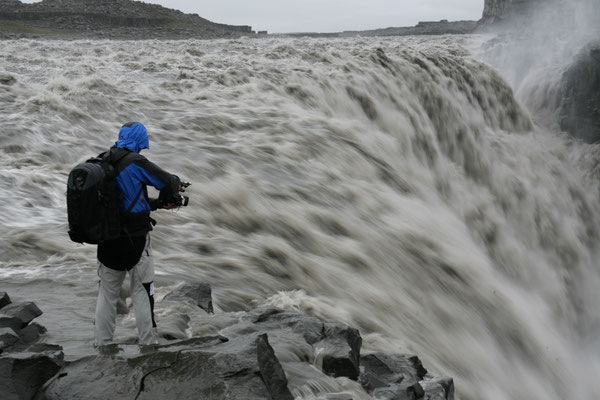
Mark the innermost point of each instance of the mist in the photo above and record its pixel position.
(548, 36)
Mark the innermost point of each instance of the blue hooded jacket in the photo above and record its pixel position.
(133, 136)
(135, 172)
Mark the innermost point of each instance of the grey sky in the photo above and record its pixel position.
(327, 15)
(282, 16)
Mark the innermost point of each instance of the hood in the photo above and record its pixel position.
(133, 136)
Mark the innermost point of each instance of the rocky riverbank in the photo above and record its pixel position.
(266, 353)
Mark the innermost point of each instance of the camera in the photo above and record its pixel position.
(177, 199)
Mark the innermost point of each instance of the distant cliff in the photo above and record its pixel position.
(123, 19)
(443, 27)
(502, 11)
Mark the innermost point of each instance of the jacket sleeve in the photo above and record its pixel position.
(151, 174)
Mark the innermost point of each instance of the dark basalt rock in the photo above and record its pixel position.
(439, 388)
(337, 346)
(400, 377)
(7, 321)
(24, 311)
(214, 369)
(311, 329)
(340, 350)
(32, 332)
(403, 391)
(248, 359)
(198, 293)
(22, 375)
(500, 12)
(8, 337)
(580, 96)
(271, 371)
(391, 366)
(4, 299)
(18, 334)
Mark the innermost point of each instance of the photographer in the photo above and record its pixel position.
(132, 251)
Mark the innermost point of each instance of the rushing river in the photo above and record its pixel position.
(396, 185)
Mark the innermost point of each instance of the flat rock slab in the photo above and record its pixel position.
(241, 369)
(199, 294)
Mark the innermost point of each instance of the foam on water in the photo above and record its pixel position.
(392, 184)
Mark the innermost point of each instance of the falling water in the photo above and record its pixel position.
(392, 184)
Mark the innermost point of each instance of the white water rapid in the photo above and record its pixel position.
(392, 184)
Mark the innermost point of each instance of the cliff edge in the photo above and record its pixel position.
(264, 353)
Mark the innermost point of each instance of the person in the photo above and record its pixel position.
(132, 252)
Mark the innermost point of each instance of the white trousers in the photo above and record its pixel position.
(142, 294)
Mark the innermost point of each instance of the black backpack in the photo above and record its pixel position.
(93, 201)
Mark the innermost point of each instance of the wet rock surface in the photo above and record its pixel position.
(252, 356)
(4, 299)
(197, 293)
(498, 12)
(25, 312)
(25, 362)
(580, 96)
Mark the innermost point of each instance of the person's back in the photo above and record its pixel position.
(132, 251)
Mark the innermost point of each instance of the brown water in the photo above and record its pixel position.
(392, 184)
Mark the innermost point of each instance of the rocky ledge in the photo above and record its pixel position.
(26, 363)
(579, 96)
(265, 353)
(113, 19)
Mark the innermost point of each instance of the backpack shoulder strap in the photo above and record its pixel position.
(134, 202)
(108, 158)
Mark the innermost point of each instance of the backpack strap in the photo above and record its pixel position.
(137, 197)
(108, 157)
